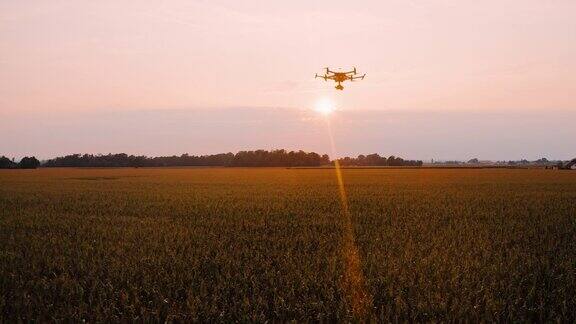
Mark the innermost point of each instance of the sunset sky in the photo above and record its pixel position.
(445, 79)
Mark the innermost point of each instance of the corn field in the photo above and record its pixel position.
(275, 244)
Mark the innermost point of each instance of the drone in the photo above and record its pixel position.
(340, 77)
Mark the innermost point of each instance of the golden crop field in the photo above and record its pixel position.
(233, 244)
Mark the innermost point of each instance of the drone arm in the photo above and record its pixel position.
(325, 77)
(328, 71)
(361, 77)
(358, 77)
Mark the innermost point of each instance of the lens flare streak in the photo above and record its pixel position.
(353, 282)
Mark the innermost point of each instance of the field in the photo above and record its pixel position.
(231, 244)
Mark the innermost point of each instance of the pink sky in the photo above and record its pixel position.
(72, 58)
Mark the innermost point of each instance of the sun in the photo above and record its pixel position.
(325, 106)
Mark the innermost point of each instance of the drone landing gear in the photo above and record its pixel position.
(339, 86)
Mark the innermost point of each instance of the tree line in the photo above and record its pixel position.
(257, 158)
(377, 160)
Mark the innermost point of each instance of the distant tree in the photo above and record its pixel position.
(29, 163)
(373, 159)
(6, 163)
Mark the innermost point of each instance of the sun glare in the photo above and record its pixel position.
(325, 106)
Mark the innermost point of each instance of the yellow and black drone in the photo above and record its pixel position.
(340, 77)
